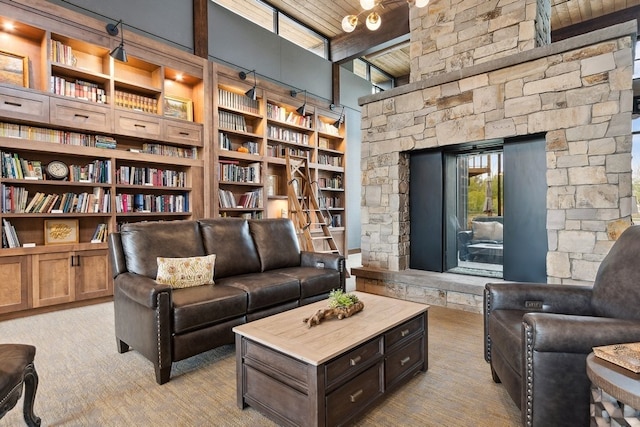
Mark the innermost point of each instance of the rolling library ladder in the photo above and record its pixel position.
(305, 211)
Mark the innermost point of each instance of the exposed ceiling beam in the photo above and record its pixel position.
(394, 30)
(200, 28)
(618, 17)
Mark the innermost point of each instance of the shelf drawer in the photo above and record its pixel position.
(182, 133)
(138, 125)
(403, 333)
(403, 362)
(353, 361)
(351, 398)
(85, 116)
(24, 105)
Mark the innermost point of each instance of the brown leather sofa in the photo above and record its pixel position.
(538, 336)
(259, 271)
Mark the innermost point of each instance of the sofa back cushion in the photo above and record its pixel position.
(230, 240)
(276, 242)
(144, 242)
(616, 290)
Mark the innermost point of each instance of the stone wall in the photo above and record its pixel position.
(578, 92)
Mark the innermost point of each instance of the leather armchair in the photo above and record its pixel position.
(537, 336)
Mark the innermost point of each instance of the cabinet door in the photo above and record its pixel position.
(92, 274)
(52, 279)
(14, 282)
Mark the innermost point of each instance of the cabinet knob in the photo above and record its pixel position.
(355, 360)
(15, 104)
(404, 332)
(140, 126)
(353, 397)
(185, 133)
(82, 116)
(405, 361)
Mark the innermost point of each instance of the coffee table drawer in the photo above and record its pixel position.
(349, 399)
(280, 366)
(403, 361)
(403, 333)
(353, 361)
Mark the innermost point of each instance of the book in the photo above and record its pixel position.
(626, 355)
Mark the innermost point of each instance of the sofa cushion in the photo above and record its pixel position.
(313, 281)
(230, 240)
(201, 306)
(264, 289)
(144, 242)
(277, 243)
(186, 272)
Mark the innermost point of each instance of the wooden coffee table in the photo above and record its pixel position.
(333, 372)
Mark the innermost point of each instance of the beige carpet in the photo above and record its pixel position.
(85, 382)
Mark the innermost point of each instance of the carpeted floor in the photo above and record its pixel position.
(85, 382)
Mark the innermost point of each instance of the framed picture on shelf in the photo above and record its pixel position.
(179, 108)
(60, 231)
(14, 69)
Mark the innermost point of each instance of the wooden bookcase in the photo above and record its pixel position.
(132, 135)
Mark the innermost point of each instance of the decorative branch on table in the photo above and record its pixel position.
(341, 305)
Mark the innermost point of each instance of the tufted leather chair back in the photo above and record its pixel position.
(616, 290)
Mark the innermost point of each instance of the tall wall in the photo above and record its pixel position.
(577, 92)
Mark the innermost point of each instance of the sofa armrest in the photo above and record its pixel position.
(140, 289)
(116, 254)
(325, 260)
(557, 333)
(539, 297)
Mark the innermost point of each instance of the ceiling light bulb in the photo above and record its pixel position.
(373, 21)
(422, 3)
(8, 26)
(367, 4)
(349, 23)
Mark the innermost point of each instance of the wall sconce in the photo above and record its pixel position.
(338, 122)
(303, 109)
(118, 53)
(251, 93)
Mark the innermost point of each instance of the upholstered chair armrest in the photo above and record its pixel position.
(539, 297)
(325, 260)
(116, 254)
(141, 289)
(558, 333)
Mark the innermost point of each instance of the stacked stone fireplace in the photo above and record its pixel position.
(485, 70)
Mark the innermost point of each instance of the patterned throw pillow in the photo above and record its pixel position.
(186, 272)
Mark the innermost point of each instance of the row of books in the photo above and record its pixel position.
(288, 135)
(281, 150)
(232, 121)
(277, 112)
(232, 171)
(61, 53)
(128, 203)
(100, 234)
(225, 143)
(171, 151)
(326, 159)
(330, 202)
(98, 171)
(248, 200)
(16, 200)
(133, 175)
(237, 101)
(15, 167)
(334, 182)
(33, 133)
(328, 128)
(135, 102)
(9, 235)
(79, 89)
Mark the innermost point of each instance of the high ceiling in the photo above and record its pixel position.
(325, 17)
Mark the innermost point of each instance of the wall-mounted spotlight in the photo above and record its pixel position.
(338, 122)
(118, 53)
(251, 93)
(302, 110)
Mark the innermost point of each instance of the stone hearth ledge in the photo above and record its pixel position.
(462, 292)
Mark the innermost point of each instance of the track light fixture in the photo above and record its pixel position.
(251, 93)
(338, 122)
(302, 110)
(373, 20)
(118, 53)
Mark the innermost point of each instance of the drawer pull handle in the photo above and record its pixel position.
(81, 116)
(355, 361)
(405, 361)
(184, 133)
(140, 126)
(404, 332)
(353, 397)
(15, 104)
